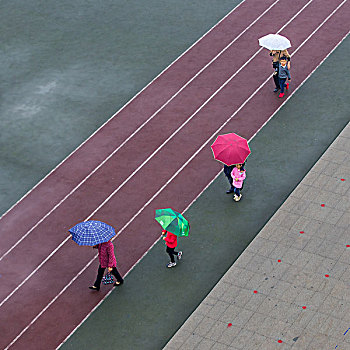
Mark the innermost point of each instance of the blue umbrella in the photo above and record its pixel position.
(91, 232)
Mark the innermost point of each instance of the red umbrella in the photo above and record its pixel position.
(230, 149)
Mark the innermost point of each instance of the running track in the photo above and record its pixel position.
(153, 153)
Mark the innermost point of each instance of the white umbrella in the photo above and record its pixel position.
(274, 42)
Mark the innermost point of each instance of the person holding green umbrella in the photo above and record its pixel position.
(171, 243)
(174, 225)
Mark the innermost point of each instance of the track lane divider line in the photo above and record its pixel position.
(156, 151)
(215, 177)
(138, 260)
(125, 105)
(53, 300)
(133, 134)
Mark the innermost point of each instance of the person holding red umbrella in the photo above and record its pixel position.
(232, 150)
(227, 172)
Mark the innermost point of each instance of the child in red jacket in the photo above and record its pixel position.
(171, 243)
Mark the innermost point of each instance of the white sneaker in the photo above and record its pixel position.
(239, 197)
(171, 264)
(235, 198)
(179, 255)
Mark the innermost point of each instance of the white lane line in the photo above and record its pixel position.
(132, 135)
(117, 112)
(215, 177)
(190, 118)
(147, 160)
(57, 296)
(133, 266)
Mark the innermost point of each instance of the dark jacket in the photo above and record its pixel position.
(228, 170)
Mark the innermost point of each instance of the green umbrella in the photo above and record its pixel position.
(173, 222)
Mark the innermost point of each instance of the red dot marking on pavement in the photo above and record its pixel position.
(326, 275)
(255, 292)
(348, 245)
(322, 205)
(229, 325)
(279, 260)
(280, 341)
(304, 307)
(301, 232)
(342, 179)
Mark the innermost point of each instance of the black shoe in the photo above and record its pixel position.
(230, 191)
(94, 288)
(276, 89)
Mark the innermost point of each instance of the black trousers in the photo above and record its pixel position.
(171, 252)
(276, 79)
(227, 172)
(100, 273)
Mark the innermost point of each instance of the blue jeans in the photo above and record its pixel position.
(282, 84)
(236, 191)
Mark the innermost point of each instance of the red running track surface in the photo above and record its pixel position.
(167, 162)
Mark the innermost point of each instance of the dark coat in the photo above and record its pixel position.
(228, 170)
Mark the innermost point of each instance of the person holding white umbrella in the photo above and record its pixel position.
(278, 45)
(283, 74)
(276, 58)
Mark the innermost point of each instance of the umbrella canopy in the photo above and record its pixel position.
(274, 42)
(91, 232)
(230, 149)
(173, 222)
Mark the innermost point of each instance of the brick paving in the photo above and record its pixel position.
(290, 288)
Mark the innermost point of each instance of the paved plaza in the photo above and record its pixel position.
(290, 288)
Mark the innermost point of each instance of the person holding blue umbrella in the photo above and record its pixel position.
(107, 260)
(98, 235)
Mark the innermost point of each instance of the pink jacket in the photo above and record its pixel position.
(106, 255)
(237, 174)
(170, 239)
